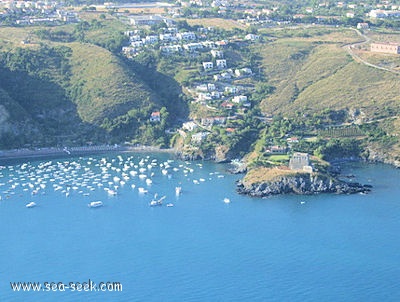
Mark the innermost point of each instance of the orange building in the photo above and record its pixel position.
(385, 48)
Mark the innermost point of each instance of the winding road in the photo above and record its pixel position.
(349, 48)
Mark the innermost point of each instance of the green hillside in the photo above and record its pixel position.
(71, 86)
(315, 73)
(102, 86)
(73, 93)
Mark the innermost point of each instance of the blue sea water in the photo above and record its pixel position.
(283, 248)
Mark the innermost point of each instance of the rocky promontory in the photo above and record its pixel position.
(301, 183)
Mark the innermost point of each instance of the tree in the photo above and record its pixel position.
(164, 118)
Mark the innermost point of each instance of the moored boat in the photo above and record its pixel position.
(31, 204)
(156, 202)
(95, 204)
(142, 190)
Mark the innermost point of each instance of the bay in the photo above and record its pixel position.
(283, 248)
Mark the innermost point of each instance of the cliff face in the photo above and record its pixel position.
(374, 154)
(219, 153)
(301, 184)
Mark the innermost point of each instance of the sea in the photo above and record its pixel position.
(208, 244)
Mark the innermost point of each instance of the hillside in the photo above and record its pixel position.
(102, 86)
(70, 93)
(315, 73)
(70, 85)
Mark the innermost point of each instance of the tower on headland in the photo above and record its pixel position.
(300, 161)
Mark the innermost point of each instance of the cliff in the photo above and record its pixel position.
(300, 183)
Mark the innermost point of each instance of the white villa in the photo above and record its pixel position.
(221, 64)
(208, 65)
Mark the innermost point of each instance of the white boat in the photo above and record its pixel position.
(178, 191)
(31, 204)
(170, 204)
(95, 204)
(156, 202)
(112, 192)
(142, 190)
(227, 200)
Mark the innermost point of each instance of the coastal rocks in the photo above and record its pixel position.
(374, 155)
(219, 154)
(222, 154)
(238, 167)
(302, 184)
(186, 156)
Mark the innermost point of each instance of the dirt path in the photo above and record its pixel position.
(349, 48)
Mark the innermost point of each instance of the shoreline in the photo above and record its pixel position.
(75, 151)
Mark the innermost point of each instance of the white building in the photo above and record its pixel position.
(243, 71)
(225, 76)
(146, 20)
(167, 37)
(217, 53)
(171, 48)
(209, 44)
(231, 89)
(186, 36)
(378, 13)
(208, 65)
(221, 63)
(239, 99)
(199, 137)
(189, 126)
(211, 87)
(204, 96)
(252, 37)
(202, 87)
(137, 44)
(216, 94)
(192, 46)
(150, 39)
(362, 25)
(135, 38)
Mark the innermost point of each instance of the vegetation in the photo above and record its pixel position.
(310, 77)
(79, 93)
(263, 174)
(71, 85)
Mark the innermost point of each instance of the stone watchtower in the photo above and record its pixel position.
(300, 161)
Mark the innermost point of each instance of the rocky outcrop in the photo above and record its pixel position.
(302, 184)
(222, 154)
(219, 154)
(380, 156)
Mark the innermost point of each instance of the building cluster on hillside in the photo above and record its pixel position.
(263, 15)
(38, 12)
(206, 3)
(221, 95)
(218, 91)
(171, 41)
(384, 14)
